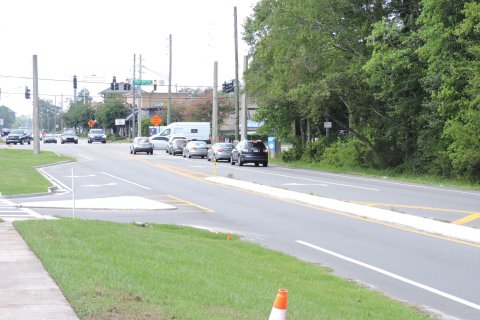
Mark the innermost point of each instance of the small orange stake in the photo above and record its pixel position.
(229, 237)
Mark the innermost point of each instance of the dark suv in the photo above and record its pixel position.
(97, 135)
(19, 136)
(250, 151)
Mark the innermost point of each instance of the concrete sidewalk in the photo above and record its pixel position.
(27, 292)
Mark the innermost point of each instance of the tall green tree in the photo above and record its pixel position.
(394, 72)
(449, 30)
(113, 108)
(78, 115)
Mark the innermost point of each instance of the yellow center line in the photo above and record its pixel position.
(431, 235)
(192, 204)
(467, 219)
(375, 204)
(472, 215)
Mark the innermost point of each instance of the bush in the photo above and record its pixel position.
(314, 150)
(345, 153)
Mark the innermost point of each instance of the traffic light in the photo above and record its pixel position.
(155, 85)
(27, 93)
(224, 87)
(74, 82)
(114, 84)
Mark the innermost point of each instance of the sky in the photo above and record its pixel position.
(96, 40)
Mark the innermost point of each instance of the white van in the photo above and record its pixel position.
(190, 130)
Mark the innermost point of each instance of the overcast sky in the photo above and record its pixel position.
(96, 40)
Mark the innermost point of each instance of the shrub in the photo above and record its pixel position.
(345, 153)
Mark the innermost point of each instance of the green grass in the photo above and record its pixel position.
(20, 175)
(384, 174)
(122, 271)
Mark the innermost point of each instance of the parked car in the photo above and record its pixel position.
(175, 146)
(220, 151)
(159, 142)
(170, 141)
(97, 135)
(250, 151)
(141, 144)
(19, 136)
(49, 138)
(195, 149)
(68, 136)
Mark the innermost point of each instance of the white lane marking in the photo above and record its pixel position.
(100, 185)
(312, 180)
(386, 182)
(11, 204)
(135, 184)
(87, 176)
(393, 275)
(304, 184)
(88, 158)
(56, 181)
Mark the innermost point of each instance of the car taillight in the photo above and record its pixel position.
(194, 148)
(220, 150)
(264, 150)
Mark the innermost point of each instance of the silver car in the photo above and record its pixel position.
(195, 149)
(220, 151)
(159, 142)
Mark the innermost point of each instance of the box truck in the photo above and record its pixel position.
(190, 130)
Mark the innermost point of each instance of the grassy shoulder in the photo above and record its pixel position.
(383, 174)
(22, 177)
(108, 270)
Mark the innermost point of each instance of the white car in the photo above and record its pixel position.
(159, 142)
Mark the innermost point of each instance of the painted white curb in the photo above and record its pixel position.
(418, 223)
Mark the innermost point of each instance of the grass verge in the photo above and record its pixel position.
(22, 177)
(121, 271)
(383, 174)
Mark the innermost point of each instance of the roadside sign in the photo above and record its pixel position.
(142, 82)
(119, 122)
(91, 123)
(156, 120)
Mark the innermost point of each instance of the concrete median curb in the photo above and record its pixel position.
(422, 224)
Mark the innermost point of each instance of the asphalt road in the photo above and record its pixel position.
(432, 272)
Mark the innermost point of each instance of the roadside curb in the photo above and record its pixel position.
(422, 224)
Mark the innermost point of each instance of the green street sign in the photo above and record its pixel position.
(142, 82)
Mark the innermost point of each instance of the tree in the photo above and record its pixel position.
(48, 115)
(394, 72)
(78, 115)
(200, 103)
(8, 116)
(113, 108)
(84, 96)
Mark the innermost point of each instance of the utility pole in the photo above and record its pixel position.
(140, 98)
(244, 101)
(169, 108)
(237, 120)
(36, 125)
(133, 97)
(215, 104)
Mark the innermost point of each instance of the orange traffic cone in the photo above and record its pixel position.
(279, 310)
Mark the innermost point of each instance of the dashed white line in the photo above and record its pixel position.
(135, 184)
(393, 275)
